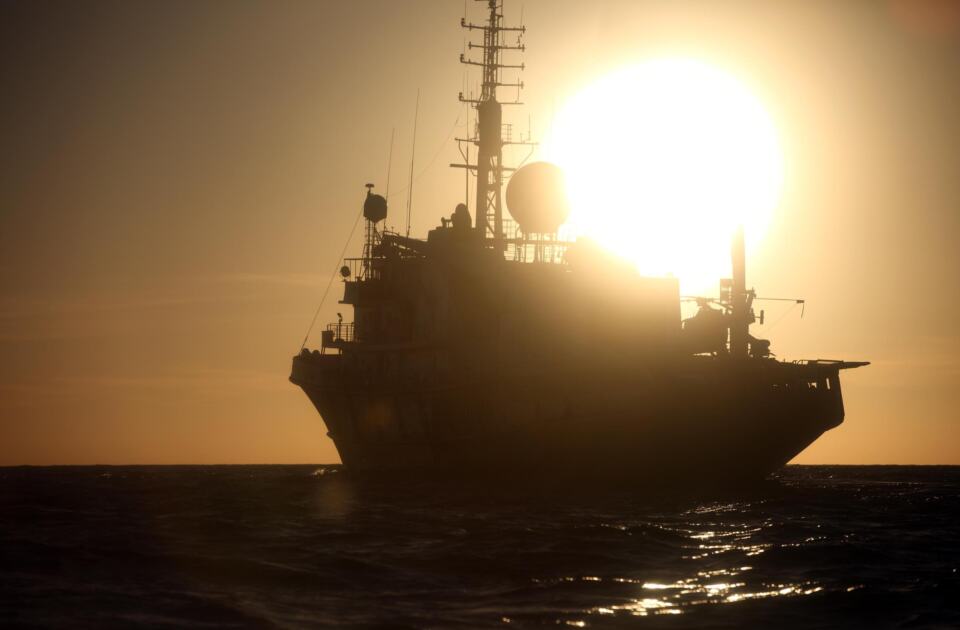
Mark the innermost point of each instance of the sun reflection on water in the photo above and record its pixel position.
(706, 587)
(706, 537)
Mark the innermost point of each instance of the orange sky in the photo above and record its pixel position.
(178, 180)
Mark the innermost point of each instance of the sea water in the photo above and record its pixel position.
(309, 546)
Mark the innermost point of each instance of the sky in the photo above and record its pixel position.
(178, 180)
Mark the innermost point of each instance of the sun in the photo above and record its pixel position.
(663, 160)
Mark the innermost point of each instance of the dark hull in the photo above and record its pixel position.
(703, 418)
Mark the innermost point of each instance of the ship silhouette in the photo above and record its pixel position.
(493, 346)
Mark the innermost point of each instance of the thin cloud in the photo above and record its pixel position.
(203, 379)
(285, 279)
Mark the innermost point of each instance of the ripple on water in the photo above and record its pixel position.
(310, 546)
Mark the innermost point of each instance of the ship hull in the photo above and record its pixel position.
(705, 418)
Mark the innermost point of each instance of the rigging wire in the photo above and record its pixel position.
(330, 284)
(466, 158)
(443, 145)
(784, 316)
(796, 301)
(413, 153)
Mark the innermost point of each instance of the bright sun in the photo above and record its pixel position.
(663, 160)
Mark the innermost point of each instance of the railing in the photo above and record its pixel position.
(338, 333)
(361, 271)
(532, 250)
(510, 228)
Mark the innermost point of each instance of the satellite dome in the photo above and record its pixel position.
(374, 206)
(537, 198)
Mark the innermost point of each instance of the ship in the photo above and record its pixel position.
(494, 347)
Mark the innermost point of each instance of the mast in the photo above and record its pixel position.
(489, 130)
(740, 308)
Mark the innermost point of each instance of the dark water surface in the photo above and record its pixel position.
(295, 546)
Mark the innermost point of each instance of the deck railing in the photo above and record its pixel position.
(361, 271)
(338, 333)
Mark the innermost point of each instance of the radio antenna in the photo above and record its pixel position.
(386, 193)
(413, 153)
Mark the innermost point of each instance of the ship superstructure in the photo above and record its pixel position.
(494, 345)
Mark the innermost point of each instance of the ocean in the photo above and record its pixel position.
(309, 546)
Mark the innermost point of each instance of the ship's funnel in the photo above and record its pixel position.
(537, 198)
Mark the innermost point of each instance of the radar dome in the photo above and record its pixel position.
(374, 206)
(537, 198)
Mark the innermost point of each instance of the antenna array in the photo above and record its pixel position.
(489, 133)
